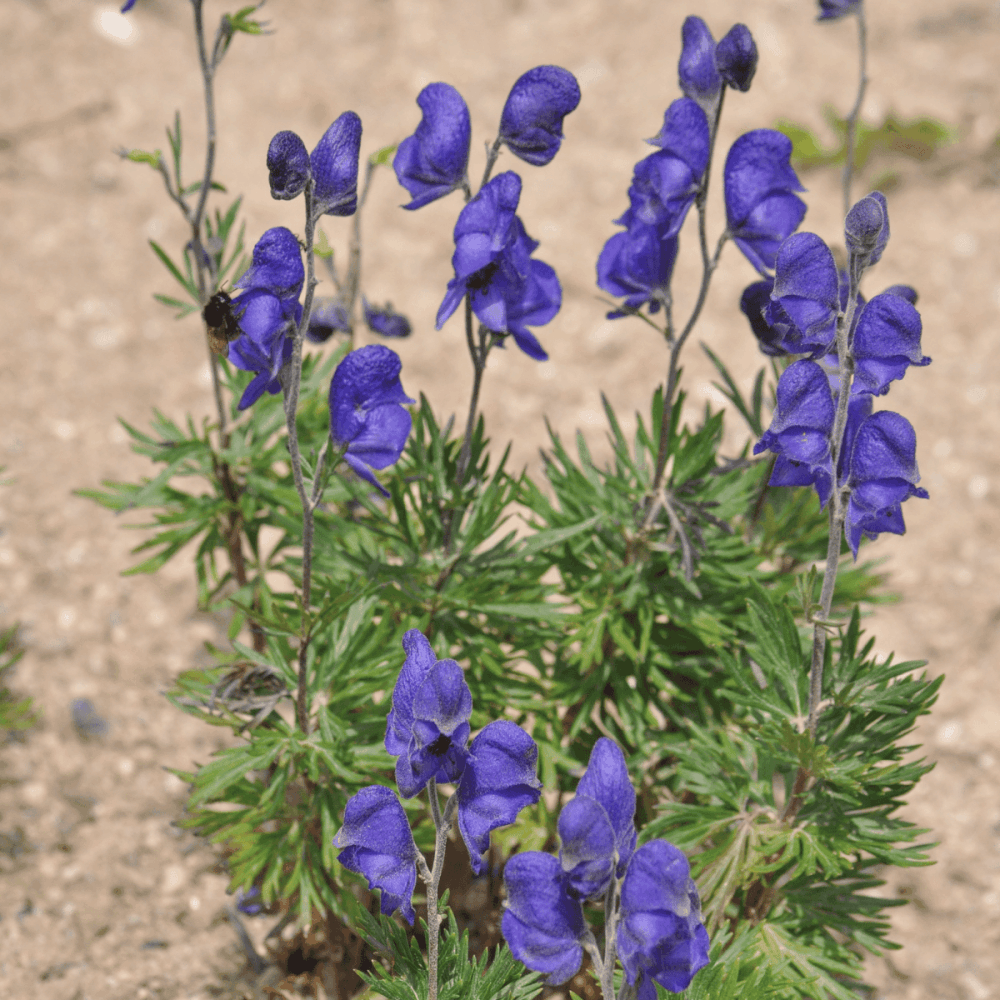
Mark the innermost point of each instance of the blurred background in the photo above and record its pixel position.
(101, 896)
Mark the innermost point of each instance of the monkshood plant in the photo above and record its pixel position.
(688, 764)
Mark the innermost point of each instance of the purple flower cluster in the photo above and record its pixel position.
(427, 731)
(761, 206)
(799, 312)
(657, 928)
(508, 290)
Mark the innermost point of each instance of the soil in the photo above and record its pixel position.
(103, 897)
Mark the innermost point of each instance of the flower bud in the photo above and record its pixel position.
(866, 228)
(287, 165)
(736, 58)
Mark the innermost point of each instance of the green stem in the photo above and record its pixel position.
(852, 118)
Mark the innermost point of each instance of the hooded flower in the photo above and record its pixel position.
(882, 474)
(542, 923)
(596, 827)
(376, 842)
(508, 289)
(334, 166)
(637, 265)
(287, 165)
(665, 183)
(886, 342)
(532, 118)
(428, 726)
(761, 209)
(328, 317)
(800, 430)
(366, 411)
(267, 312)
(433, 161)
(754, 302)
(697, 73)
(805, 300)
(661, 938)
(736, 58)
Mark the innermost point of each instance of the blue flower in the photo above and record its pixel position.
(801, 428)
(249, 902)
(433, 161)
(754, 301)
(366, 412)
(334, 166)
(86, 720)
(376, 842)
(509, 291)
(886, 342)
(736, 58)
(832, 10)
(661, 938)
(806, 296)
(532, 118)
(758, 181)
(665, 184)
(638, 265)
(427, 730)
(597, 827)
(287, 165)
(500, 779)
(882, 474)
(267, 312)
(385, 321)
(428, 726)
(697, 73)
(127, 6)
(542, 923)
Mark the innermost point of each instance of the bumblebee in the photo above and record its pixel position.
(220, 322)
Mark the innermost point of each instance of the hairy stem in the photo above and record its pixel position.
(852, 118)
(291, 381)
(442, 824)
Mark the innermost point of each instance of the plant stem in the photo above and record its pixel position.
(708, 266)
(610, 944)
(852, 118)
(442, 824)
(492, 152)
(291, 381)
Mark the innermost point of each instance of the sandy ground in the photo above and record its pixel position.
(102, 898)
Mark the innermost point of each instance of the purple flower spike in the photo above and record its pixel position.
(886, 343)
(532, 119)
(328, 317)
(883, 473)
(376, 842)
(800, 430)
(287, 165)
(433, 161)
(542, 923)
(607, 782)
(637, 265)
(665, 184)
(500, 779)
(866, 229)
(334, 164)
(832, 10)
(276, 264)
(806, 295)
(736, 58)
(697, 73)
(661, 938)
(366, 412)
(761, 210)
